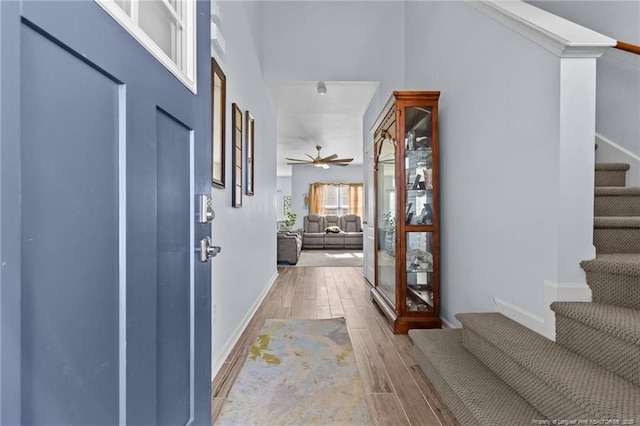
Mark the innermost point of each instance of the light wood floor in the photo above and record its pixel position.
(398, 393)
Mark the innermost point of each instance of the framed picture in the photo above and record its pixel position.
(250, 156)
(236, 123)
(218, 99)
(286, 201)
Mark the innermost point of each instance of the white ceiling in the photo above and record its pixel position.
(307, 119)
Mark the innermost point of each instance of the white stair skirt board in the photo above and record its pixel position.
(553, 292)
(447, 324)
(610, 152)
(521, 316)
(220, 358)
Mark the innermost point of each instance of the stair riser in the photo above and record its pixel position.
(611, 353)
(616, 240)
(448, 396)
(611, 178)
(550, 402)
(614, 289)
(617, 206)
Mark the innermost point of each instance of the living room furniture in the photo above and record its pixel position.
(333, 240)
(315, 235)
(406, 204)
(351, 225)
(289, 247)
(313, 231)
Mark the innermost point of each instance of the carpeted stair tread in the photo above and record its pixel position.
(555, 380)
(607, 335)
(611, 174)
(623, 323)
(616, 234)
(474, 394)
(610, 167)
(616, 222)
(614, 279)
(614, 263)
(617, 191)
(616, 201)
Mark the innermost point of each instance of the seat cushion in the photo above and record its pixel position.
(353, 240)
(333, 240)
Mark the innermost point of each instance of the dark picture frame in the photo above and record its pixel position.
(236, 136)
(250, 134)
(218, 106)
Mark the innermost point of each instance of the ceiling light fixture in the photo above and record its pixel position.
(319, 161)
(322, 88)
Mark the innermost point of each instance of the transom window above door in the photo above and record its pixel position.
(166, 28)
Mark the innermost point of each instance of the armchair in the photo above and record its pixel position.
(313, 231)
(352, 226)
(289, 247)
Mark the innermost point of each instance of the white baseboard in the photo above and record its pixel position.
(217, 362)
(553, 292)
(522, 316)
(610, 152)
(447, 324)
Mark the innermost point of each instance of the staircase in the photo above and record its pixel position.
(494, 371)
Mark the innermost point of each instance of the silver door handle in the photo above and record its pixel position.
(207, 251)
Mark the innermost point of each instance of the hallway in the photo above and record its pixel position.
(397, 391)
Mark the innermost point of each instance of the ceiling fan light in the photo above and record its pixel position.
(325, 166)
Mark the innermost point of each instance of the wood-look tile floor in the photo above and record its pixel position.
(398, 393)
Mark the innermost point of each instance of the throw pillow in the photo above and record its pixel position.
(332, 230)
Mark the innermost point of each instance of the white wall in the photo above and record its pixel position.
(503, 230)
(247, 264)
(618, 72)
(302, 176)
(618, 78)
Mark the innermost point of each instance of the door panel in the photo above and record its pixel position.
(368, 227)
(109, 303)
(174, 272)
(70, 237)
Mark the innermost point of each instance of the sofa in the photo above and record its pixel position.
(289, 247)
(316, 236)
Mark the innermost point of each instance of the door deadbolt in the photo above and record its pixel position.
(206, 213)
(207, 251)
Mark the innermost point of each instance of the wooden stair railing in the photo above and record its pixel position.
(628, 47)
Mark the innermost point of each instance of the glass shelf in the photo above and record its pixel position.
(419, 271)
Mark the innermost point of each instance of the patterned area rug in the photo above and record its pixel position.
(298, 372)
(330, 258)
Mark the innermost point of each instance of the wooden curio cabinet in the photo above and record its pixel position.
(406, 211)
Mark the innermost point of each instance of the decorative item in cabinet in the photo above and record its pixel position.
(406, 283)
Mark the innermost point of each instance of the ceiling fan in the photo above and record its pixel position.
(331, 160)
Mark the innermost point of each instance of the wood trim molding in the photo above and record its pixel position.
(628, 47)
(561, 37)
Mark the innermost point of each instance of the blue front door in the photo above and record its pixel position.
(104, 305)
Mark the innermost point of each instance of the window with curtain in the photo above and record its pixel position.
(335, 198)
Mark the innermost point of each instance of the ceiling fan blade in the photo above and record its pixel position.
(340, 160)
(340, 164)
(331, 157)
(306, 163)
(296, 159)
(312, 158)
